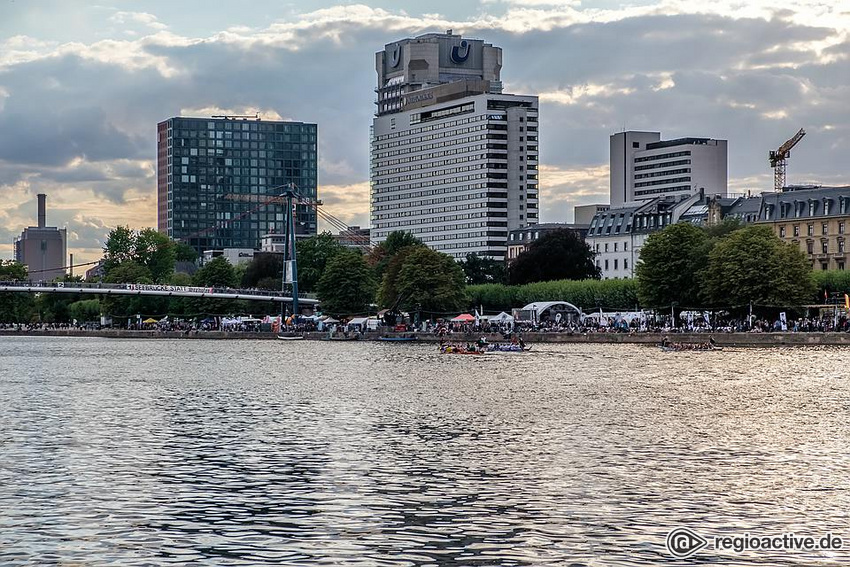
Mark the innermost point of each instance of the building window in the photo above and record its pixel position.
(841, 247)
(625, 264)
(606, 249)
(841, 265)
(841, 228)
(824, 266)
(825, 246)
(636, 144)
(810, 247)
(825, 228)
(615, 246)
(615, 264)
(625, 246)
(811, 229)
(796, 230)
(782, 231)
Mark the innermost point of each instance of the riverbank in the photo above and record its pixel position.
(722, 339)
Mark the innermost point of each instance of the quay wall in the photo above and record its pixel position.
(723, 339)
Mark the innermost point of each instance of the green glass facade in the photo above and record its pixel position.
(213, 175)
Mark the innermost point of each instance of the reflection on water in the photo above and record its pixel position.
(249, 453)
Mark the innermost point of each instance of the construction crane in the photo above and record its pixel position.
(779, 157)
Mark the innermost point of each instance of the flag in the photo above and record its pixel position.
(825, 295)
(847, 302)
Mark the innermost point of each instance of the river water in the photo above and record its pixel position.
(125, 452)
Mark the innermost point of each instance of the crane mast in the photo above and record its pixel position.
(778, 160)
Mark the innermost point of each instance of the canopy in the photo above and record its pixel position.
(150, 320)
(501, 318)
(358, 321)
(251, 320)
(464, 318)
(330, 320)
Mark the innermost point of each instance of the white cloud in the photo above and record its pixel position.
(143, 18)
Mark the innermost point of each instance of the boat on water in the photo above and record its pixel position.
(291, 337)
(459, 350)
(668, 346)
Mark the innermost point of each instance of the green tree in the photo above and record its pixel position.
(427, 281)
(347, 285)
(313, 255)
(671, 265)
(86, 310)
(218, 272)
(382, 254)
(156, 252)
(388, 294)
(119, 248)
(557, 255)
(15, 307)
(129, 271)
(265, 268)
(481, 270)
(184, 253)
(753, 265)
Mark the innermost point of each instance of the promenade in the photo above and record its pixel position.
(790, 339)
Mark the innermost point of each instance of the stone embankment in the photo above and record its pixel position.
(722, 339)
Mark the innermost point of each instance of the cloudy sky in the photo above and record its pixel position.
(82, 86)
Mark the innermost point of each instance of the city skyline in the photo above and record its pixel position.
(78, 100)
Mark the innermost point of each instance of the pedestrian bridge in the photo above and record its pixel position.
(151, 290)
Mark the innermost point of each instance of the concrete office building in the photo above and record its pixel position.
(43, 249)
(454, 161)
(643, 167)
(585, 213)
(213, 174)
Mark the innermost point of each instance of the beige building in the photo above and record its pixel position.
(815, 219)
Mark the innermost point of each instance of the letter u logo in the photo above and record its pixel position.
(395, 55)
(457, 49)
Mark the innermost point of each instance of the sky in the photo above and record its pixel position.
(83, 85)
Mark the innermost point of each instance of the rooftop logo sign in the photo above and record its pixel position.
(460, 53)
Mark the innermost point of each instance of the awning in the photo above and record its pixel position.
(464, 318)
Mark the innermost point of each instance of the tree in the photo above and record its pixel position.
(85, 310)
(347, 285)
(313, 255)
(184, 253)
(266, 268)
(557, 255)
(129, 271)
(119, 248)
(388, 294)
(15, 307)
(671, 265)
(425, 280)
(382, 254)
(753, 265)
(218, 272)
(481, 270)
(156, 252)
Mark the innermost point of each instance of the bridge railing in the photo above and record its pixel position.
(146, 287)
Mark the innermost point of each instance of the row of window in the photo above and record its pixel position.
(663, 182)
(425, 147)
(824, 247)
(427, 165)
(189, 124)
(665, 164)
(810, 229)
(429, 128)
(450, 181)
(625, 247)
(435, 155)
(441, 191)
(442, 113)
(200, 144)
(663, 190)
(663, 156)
(448, 229)
(813, 207)
(462, 235)
(425, 202)
(446, 218)
(286, 152)
(662, 174)
(437, 210)
(616, 262)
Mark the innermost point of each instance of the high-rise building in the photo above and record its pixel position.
(43, 249)
(454, 160)
(643, 167)
(213, 174)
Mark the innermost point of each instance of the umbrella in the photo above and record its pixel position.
(150, 320)
(464, 318)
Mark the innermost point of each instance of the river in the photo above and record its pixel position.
(158, 452)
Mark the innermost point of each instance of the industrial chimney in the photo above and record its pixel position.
(42, 210)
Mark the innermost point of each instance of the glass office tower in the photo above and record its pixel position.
(213, 175)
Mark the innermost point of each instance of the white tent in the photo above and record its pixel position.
(500, 318)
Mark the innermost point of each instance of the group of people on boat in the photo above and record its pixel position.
(481, 346)
(711, 344)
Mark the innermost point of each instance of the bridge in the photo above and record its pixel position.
(151, 290)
